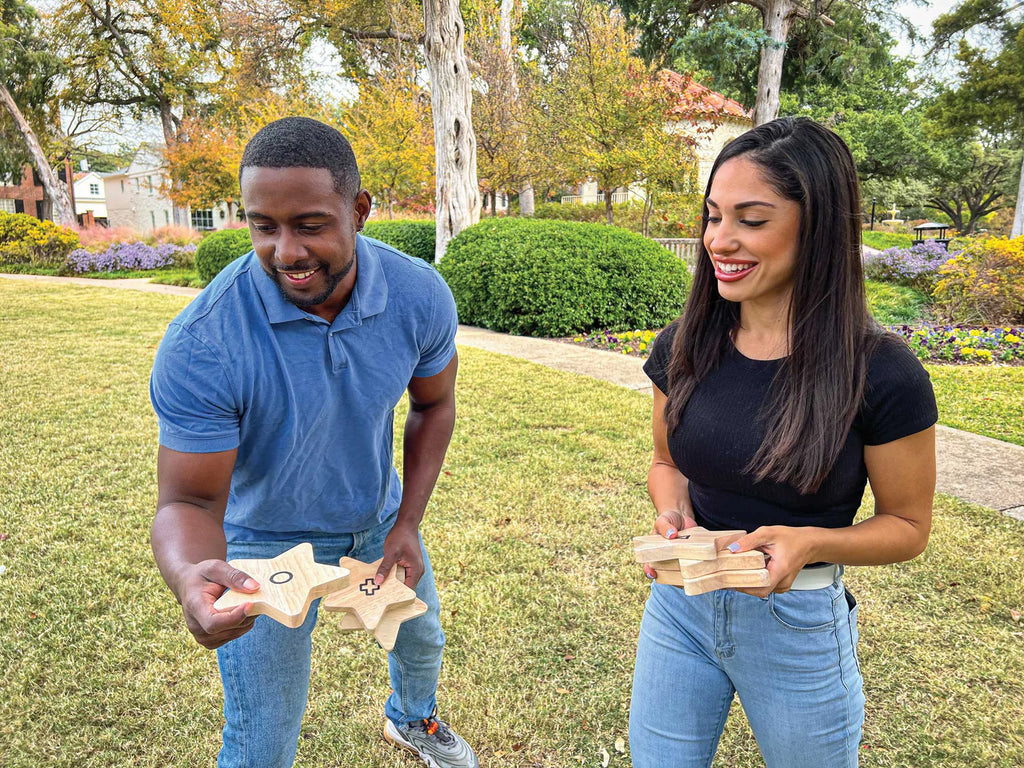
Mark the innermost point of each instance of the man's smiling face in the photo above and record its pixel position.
(304, 234)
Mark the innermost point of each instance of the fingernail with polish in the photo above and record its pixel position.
(734, 547)
(670, 533)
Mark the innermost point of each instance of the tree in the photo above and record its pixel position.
(606, 110)
(502, 105)
(663, 22)
(987, 101)
(967, 182)
(389, 129)
(30, 69)
(457, 203)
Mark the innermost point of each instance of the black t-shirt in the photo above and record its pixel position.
(719, 433)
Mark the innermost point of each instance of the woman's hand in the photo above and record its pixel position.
(789, 549)
(668, 524)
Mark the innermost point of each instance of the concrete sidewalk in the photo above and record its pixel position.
(971, 467)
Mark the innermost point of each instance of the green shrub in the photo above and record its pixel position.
(553, 278)
(882, 240)
(984, 284)
(220, 248)
(25, 239)
(416, 238)
(674, 215)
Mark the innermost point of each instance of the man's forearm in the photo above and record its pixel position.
(428, 432)
(184, 534)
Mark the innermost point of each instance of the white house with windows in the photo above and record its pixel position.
(90, 197)
(137, 197)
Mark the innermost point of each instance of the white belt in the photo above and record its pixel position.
(815, 578)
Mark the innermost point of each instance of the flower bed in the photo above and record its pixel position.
(960, 344)
(127, 256)
(932, 344)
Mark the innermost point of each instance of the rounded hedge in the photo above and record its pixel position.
(416, 238)
(556, 278)
(218, 249)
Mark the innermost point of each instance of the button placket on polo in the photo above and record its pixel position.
(336, 348)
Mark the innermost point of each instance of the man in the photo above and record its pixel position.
(275, 392)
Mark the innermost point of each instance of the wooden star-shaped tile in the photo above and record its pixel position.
(289, 583)
(691, 544)
(365, 599)
(386, 632)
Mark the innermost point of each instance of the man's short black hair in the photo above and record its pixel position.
(301, 142)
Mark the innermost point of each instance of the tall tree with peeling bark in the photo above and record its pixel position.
(664, 22)
(28, 70)
(457, 203)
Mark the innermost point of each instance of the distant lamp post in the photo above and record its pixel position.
(872, 214)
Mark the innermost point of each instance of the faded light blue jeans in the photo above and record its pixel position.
(265, 672)
(791, 659)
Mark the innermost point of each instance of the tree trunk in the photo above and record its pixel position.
(505, 41)
(458, 197)
(63, 213)
(1018, 216)
(169, 124)
(608, 206)
(648, 209)
(778, 14)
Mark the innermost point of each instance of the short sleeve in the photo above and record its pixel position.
(191, 395)
(898, 396)
(439, 340)
(656, 366)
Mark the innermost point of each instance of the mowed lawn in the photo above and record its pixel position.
(529, 531)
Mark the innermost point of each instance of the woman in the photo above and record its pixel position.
(776, 398)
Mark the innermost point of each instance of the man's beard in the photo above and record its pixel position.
(332, 282)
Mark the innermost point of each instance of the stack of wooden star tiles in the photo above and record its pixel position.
(697, 560)
(290, 582)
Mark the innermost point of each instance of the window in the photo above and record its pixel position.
(94, 189)
(7, 206)
(202, 220)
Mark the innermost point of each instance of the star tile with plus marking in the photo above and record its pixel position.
(289, 583)
(386, 632)
(366, 600)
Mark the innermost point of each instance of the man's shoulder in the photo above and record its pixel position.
(223, 299)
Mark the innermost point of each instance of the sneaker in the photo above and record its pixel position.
(434, 742)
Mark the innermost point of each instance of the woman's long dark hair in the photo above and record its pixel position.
(817, 391)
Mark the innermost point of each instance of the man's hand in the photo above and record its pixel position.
(199, 589)
(402, 546)
(669, 524)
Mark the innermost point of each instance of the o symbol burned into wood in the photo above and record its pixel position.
(281, 577)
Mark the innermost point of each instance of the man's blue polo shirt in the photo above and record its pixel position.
(308, 404)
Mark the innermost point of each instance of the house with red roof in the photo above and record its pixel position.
(710, 118)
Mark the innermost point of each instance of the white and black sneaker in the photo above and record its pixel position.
(434, 742)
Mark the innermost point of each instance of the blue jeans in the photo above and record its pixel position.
(791, 658)
(265, 672)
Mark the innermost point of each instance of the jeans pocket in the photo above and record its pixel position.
(804, 610)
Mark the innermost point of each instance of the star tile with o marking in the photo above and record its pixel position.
(365, 599)
(289, 583)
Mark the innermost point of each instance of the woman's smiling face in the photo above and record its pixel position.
(752, 235)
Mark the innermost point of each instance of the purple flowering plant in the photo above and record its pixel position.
(916, 267)
(127, 256)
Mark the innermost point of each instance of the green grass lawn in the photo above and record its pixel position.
(529, 531)
(987, 400)
(895, 304)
